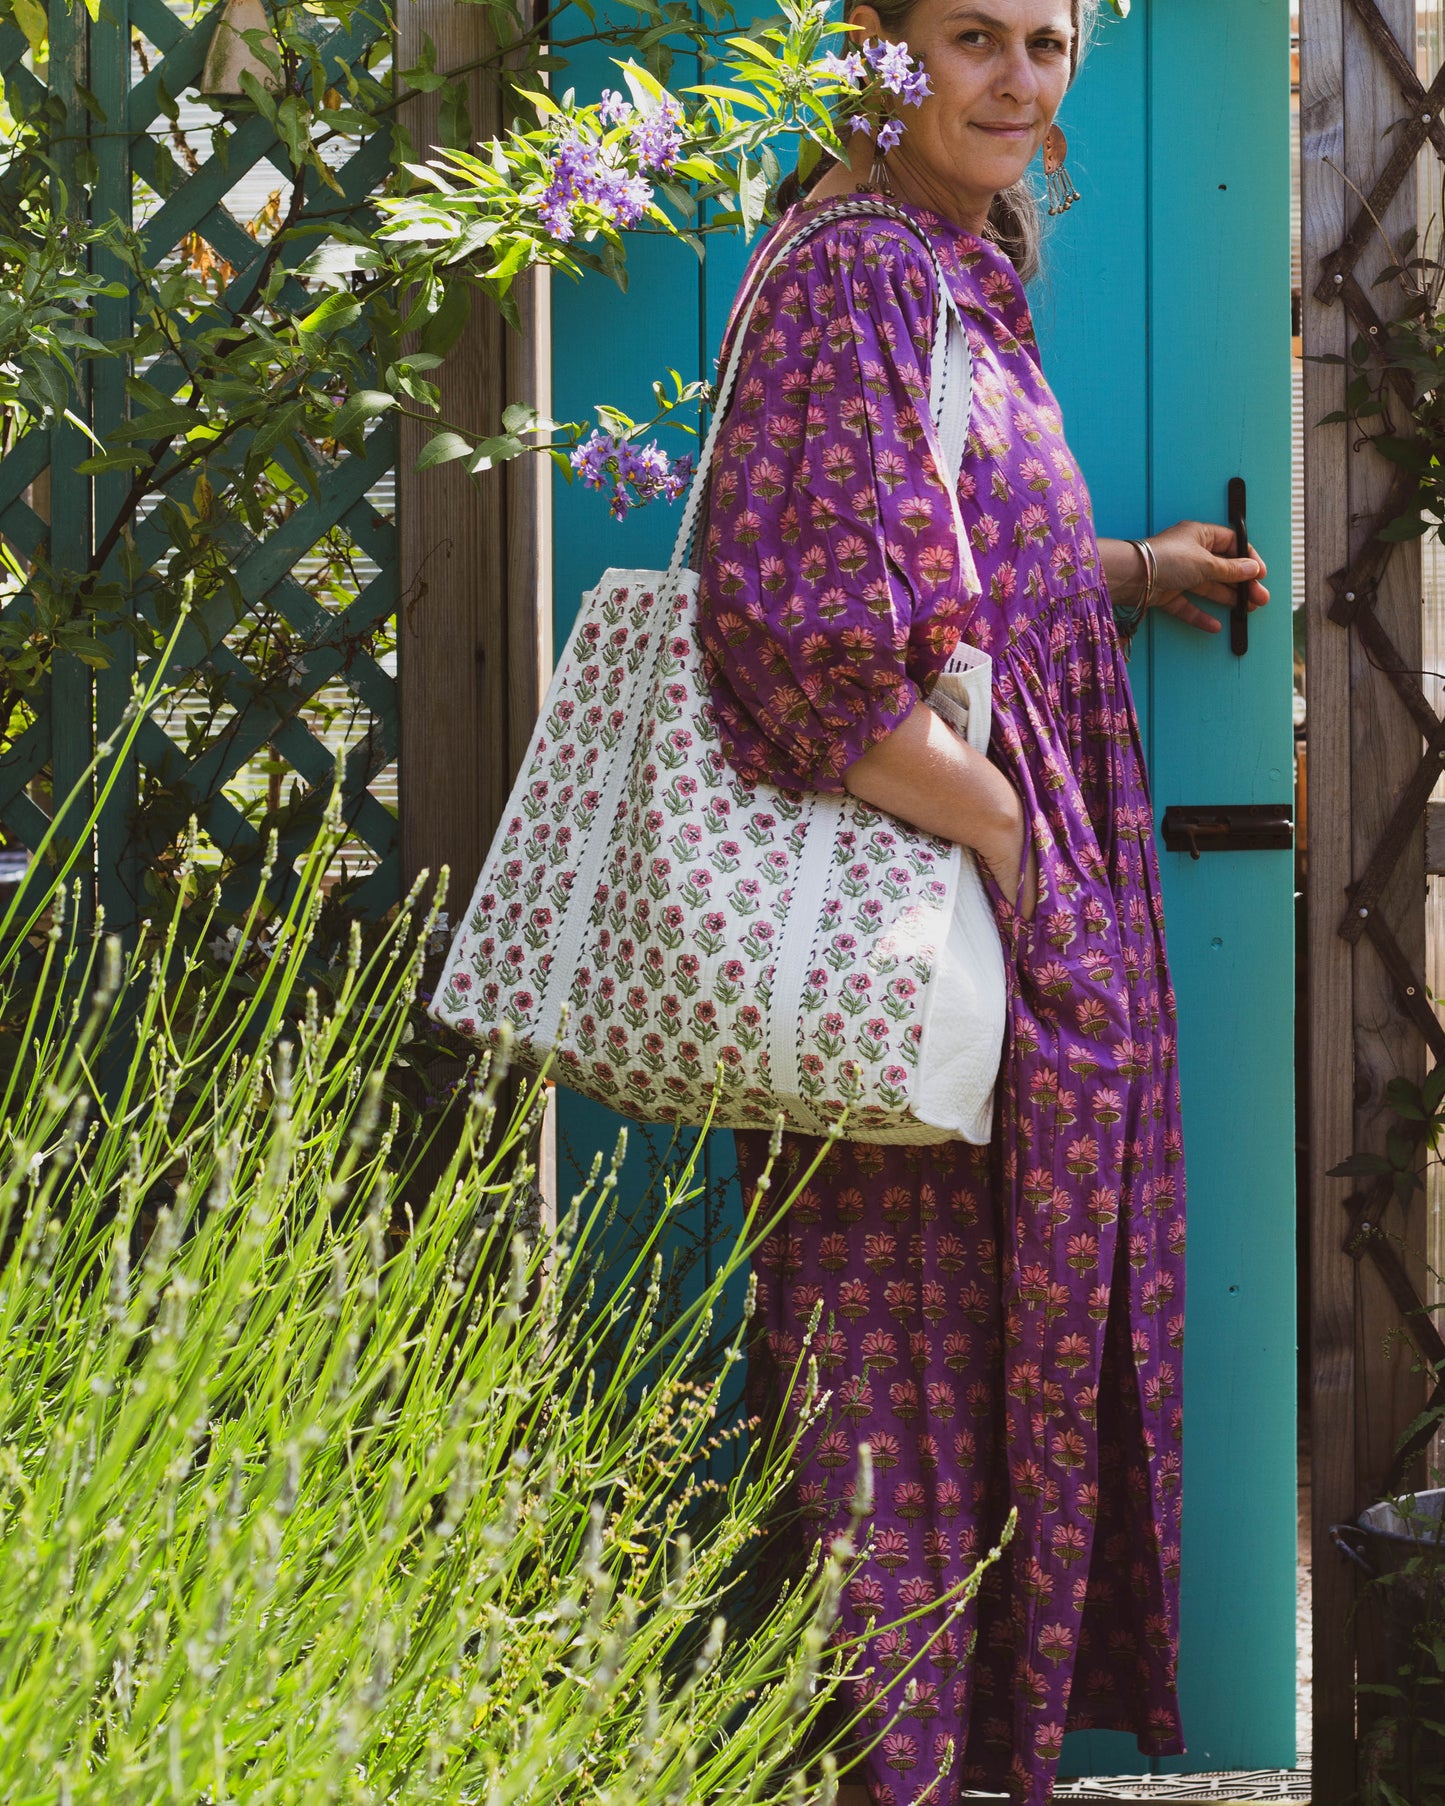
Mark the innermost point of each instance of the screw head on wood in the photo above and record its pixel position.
(1349, 595)
(1339, 279)
(1425, 118)
(1409, 990)
(1363, 914)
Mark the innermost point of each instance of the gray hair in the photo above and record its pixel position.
(1015, 222)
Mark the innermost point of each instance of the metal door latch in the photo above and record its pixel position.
(1229, 828)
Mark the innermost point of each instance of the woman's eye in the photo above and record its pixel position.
(974, 37)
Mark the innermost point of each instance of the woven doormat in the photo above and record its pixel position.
(1262, 1788)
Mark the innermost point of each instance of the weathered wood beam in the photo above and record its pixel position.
(475, 587)
(1435, 840)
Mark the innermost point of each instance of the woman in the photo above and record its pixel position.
(1004, 1325)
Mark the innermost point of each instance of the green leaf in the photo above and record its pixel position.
(160, 423)
(424, 78)
(111, 460)
(258, 95)
(442, 448)
(1412, 454)
(1405, 1099)
(513, 259)
(647, 92)
(293, 127)
(495, 451)
(454, 120)
(336, 312)
(90, 103)
(1400, 1146)
(365, 405)
(752, 195)
(32, 20)
(1407, 527)
(1360, 1166)
(547, 108)
(449, 321)
(519, 418)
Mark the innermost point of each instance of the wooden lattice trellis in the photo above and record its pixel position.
(1377, 755)
(136, 60)
(1355, 590)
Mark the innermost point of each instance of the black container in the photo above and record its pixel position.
(1400, 1545)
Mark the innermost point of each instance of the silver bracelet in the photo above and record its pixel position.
(1127, 619)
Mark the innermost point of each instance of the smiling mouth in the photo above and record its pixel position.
(1003, 131)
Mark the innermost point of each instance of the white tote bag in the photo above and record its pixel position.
(654, 930)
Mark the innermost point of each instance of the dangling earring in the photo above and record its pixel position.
(1061, 190)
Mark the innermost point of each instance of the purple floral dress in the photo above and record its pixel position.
(1002, 1325)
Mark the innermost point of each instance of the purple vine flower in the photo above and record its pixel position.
(896, 70)
(657, 136)
(880, 74)
(848, 68)
(614, 108)
(636, 474)
(581, 175)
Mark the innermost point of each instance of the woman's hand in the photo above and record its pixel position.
(1004, 855)
(1196, 558)
(924, 773)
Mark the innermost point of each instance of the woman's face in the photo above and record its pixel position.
(998, 69)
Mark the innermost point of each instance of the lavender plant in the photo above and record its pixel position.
(314, 1482)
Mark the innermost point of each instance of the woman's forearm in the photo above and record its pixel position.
(1123, 570)
(927, 776)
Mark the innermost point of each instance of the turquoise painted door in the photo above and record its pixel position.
(1164, 316)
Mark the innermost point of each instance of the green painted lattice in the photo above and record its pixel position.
(127, 83)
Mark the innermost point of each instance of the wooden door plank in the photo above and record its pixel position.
(1221, 728)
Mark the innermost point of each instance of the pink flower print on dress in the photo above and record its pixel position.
(866, 1594)
(891, 1549)
(887, 1451)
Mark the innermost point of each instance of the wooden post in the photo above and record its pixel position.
(1362, 747)
(475, 577)
(475, 581)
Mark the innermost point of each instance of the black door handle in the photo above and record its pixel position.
(1239, 520)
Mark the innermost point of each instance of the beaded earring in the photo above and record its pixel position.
(1061, 190)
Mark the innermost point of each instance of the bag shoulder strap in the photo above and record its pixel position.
(950, 388)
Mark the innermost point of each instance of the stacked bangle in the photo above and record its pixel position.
(1128, 617)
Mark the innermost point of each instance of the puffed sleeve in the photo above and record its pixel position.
(832, 584)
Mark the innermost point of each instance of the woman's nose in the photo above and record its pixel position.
(1017, 79)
